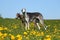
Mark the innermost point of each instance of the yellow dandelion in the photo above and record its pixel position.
(1, 28)
(25, 33)
(1, 34)
(19, 37)
(12, 37)
(5, 28)
(32, 32)
(4, 35)
(48, 37)
(42, 33)
(38, 34)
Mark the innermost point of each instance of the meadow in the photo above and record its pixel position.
(13, 29)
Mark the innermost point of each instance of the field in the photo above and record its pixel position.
(13, 29)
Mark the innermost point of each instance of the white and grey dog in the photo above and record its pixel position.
(32, 16)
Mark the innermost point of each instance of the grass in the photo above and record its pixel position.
(13, 29)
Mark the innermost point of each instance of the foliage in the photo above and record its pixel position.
(13, 29)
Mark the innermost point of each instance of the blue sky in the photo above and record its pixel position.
(50, 9)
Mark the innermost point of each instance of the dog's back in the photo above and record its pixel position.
(33, 15)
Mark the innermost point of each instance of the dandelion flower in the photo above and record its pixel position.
(4, 35)
(12, 37)
(25, 33)
(1, 28)
(48, 37)
(5, 28)
(19, 37)
(42, 33)
(1, 34)
(38, 34)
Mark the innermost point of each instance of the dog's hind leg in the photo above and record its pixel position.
(42, 22)
(38, 25)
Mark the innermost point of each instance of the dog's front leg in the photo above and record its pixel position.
(26, 26)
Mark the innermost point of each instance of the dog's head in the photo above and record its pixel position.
(23, 10)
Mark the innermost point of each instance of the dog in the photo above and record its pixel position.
(32, 16)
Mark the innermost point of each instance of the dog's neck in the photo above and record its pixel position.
(25, 14)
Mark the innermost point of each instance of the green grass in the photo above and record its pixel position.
(16, 27)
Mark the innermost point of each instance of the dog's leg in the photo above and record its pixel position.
(27, 21)
(28, 25)
(42, 22)
(38, 25)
